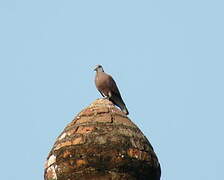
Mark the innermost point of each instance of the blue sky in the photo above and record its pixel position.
(166, 56)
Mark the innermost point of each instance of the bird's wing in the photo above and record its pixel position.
(113, 86)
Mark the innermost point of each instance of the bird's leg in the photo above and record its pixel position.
(102, 94)
(109, 95)
(104, 97)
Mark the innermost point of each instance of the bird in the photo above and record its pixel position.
(108, 88)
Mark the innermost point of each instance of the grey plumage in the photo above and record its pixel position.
(108, 88)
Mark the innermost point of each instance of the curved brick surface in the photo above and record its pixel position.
(102, 143)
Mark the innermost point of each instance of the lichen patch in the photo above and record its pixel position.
(135, 153)
(62, 136)
(51, 173)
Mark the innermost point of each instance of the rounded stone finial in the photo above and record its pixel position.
(102, 143)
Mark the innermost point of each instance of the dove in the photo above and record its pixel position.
(108, 88)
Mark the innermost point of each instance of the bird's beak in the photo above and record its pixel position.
(94, 69)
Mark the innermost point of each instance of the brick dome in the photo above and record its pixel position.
(102, 143)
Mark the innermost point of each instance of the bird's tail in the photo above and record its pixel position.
(125, 110)
(117, 100)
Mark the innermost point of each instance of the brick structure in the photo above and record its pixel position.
(102, 143)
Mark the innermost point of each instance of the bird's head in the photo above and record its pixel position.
(99, 68)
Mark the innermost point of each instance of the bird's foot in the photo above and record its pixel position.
(106, 97)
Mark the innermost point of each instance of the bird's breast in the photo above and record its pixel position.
(101, 81)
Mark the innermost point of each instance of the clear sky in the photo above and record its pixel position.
(166, 56)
